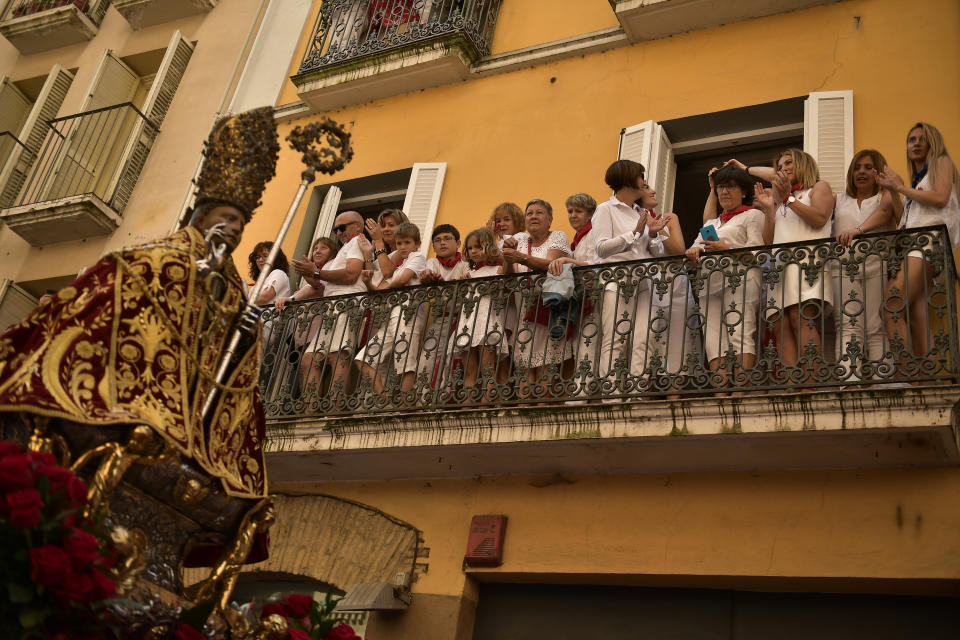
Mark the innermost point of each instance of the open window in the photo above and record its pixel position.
(678, 153)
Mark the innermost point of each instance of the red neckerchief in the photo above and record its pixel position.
(793, 190)
(726, 217)
(449, 263)
(577, 238)
(480, 265)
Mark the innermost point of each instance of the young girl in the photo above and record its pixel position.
(480, 338)
(931, 199)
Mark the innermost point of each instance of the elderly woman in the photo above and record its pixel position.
(863, 208)
(931, 198)
(799, 209)
(739, 225)
(534, 251)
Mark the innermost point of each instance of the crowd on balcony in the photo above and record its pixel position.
(386, 341)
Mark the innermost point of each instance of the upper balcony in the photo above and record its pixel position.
(83, 175)
(362, 50)
(147, 13)
(639, 371)
(33, 26)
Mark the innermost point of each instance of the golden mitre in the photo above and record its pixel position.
(239, 159)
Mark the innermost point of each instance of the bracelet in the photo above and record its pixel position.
(747, 169)
(377, 252)
(859, 228)
(316, 274)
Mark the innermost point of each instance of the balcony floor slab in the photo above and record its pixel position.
(48, 29)
(70, 218)
(825, 430)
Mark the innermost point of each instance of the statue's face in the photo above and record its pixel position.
(232, 219)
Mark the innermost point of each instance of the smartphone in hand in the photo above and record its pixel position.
(709, 232)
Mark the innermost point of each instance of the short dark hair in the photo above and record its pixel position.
(445, 228)
(281, 262)
(624, 173)
(729, 174)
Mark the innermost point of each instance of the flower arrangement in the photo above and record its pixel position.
(56, 564)
(34, 6)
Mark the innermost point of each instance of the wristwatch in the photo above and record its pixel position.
(377, 252)
(790, 200)
(316, 274)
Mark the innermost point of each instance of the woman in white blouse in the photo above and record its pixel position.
(738, 225)
(800, 209)
(863, 207)
(931, 198)
(534, 251)
(277, 284)
(622, 232)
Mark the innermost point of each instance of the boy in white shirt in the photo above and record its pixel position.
(448, 263)
(397, 343)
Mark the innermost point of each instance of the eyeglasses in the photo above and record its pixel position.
(340, 228)
(440, 239)
(727, 187)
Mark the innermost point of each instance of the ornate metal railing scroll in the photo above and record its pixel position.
(347, 30)
(633, 330)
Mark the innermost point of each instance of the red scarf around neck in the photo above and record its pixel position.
(481, 265)
(793, 190)
(725, 217)
(580, 234)
(449, 263)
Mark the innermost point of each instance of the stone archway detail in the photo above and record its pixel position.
(339, 542)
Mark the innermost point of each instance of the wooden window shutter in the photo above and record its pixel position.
(113, 83)
(14, 108)
(636, 143)
(648, 144)
(423, 195)
(33, 133)
(15, 304)
(155, 108)
(828, 134)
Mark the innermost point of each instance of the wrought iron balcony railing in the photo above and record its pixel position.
(347, 30)
(98, 153)
(93, 9)
(632, 330)
(15, 158)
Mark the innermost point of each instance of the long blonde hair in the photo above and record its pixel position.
(937, 149)
(805, 172)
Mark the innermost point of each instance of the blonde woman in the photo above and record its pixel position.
(800, 208)
(864, 207)
(931, 199)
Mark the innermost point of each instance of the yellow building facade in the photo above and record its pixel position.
(756, 517)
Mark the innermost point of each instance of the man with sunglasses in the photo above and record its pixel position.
(341, 276)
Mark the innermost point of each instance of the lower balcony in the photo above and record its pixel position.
(33, 26)
(362, 50)
(655, 365)
(83, 176)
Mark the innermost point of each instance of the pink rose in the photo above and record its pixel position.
(49, 564)
(16, 472)
(299, 605)
(342, 631)
(24, 508)
(81, 547)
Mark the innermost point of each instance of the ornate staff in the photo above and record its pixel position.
(326, 159)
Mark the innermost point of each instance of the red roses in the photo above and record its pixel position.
(342, 631)
(308, 618)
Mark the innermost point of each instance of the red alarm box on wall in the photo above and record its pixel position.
(485, 544)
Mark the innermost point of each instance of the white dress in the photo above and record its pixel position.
(478, 323)
(916, 214)
(793, 286)
(532, 346)
(858, 298)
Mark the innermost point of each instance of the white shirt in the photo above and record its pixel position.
(453, 273)
(742, 230)
(916, 214)
(556, 240)
(849, 215)
(615, 240)
(586, 250)
(790, 227)
(349, 251)
(280, 282)
(415, 262)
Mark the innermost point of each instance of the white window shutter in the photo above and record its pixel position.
(113, 83)
(14, 108)
(328, 213)
(636, 143)
(155, 107)
(15, 304)
(828, 134)
(33, 132)
(423, 195)
(168, 78)
(662, 171)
